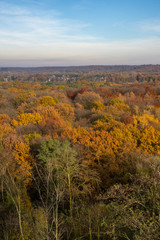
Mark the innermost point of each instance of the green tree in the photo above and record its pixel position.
(56, 171)
(60, 178)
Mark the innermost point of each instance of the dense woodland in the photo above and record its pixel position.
(80, 157)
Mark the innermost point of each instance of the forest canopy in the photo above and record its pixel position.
(80, 156)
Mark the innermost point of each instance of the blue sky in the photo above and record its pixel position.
(84, 32)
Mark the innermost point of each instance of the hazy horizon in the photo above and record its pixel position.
(79, 33)
(89, 65)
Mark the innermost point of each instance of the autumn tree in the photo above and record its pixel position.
(16, 176)
(87, 99)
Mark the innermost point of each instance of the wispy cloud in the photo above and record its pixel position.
(152, 26)
(23, 25)
(8, 10)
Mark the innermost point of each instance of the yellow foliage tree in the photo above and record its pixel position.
(98, 142)
(144, 120)
(98, 105)
(23, 161)
(16, 178)
(6, 128)
(47, 101)
(30, 136)
(117, 103)
(4, 118)
(27, 118)
(123, 139)
(150, 140)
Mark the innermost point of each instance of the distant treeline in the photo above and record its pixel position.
(97, 68)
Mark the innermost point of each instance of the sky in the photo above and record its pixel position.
(79, 32)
